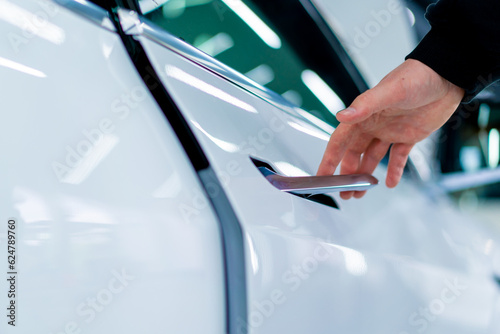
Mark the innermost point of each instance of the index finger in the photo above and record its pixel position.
(335, 149)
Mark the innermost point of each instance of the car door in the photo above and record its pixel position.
(149, 209)
(92, 237)
(395, 261)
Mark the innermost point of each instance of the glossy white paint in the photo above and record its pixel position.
(114, 234)
(373, 266)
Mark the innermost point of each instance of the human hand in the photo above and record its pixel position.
(406, 106)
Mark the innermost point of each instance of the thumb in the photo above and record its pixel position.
(374, 100)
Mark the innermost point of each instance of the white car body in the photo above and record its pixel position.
(116, 234)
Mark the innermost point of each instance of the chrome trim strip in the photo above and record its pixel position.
(147, 29)
(90, 11)
(234, 254)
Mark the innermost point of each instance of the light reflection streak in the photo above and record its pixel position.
(92, 159)
(226, 146)
(31, 23)
(355, 262)
(21, 68)
(177, 73)
(255, 23)
(323, 91)
(311, 132)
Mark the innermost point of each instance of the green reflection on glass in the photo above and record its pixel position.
(249, 44)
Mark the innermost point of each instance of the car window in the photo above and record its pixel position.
(236, 33)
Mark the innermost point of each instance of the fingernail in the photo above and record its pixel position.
(347, 111)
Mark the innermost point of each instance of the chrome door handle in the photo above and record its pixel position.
(312, 185)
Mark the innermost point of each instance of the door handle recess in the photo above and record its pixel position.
(313, 185)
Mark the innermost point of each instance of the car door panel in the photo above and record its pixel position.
(300, 253)
(93, 176)
(375, 265)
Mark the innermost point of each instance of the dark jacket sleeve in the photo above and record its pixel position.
(463, 45)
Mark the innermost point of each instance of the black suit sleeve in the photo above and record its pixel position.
(463, 45)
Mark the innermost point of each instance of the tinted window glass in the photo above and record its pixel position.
(236, 33)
